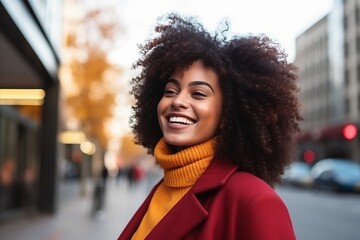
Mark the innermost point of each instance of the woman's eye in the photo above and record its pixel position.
(169, 92)
(199, 94)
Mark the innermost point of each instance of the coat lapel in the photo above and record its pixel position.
(215, 176)
(181, 219)
(189, 212)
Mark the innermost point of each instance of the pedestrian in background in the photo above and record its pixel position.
(220, 116)
(100, 194)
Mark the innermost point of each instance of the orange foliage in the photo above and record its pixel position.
(89, 42)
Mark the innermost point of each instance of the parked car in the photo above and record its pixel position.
(340, 175)
(298, 174)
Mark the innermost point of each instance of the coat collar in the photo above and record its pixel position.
(188, 212)
(215, 176)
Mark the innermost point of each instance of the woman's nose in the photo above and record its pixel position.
(180, 101)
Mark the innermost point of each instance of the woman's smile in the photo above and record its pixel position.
(177, 122)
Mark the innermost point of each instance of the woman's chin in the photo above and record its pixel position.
(177, 142)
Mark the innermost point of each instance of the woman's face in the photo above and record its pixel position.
(190, 110)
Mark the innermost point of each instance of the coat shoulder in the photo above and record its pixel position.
(247, 183)
(244, 187)
(253, 203)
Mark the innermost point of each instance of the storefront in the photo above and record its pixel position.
(30, 33)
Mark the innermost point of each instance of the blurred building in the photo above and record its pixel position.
(328, 58)
(30, 35)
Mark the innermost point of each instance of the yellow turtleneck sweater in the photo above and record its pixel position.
(181, 170)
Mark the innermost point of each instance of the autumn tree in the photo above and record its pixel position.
(90, 95)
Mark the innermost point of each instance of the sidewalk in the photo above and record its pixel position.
(74, 220)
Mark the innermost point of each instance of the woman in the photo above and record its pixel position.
(220, 117)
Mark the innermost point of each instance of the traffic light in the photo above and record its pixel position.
(309, 156)
(349, 131)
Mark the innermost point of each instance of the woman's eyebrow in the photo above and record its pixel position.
(174, 81)
(195, 83)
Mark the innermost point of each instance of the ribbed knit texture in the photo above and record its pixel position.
(181, 170)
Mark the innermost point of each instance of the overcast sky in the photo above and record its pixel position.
(282, 20)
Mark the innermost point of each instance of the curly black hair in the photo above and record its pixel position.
(260, 108)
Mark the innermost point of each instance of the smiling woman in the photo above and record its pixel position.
(219, 116)
(191, 108)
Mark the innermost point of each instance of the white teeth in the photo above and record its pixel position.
(181, 120)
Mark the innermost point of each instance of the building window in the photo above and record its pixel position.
(347, 78)
(347, 107)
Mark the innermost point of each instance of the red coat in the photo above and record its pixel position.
(223, 204)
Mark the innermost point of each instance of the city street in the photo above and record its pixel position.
(316, 215)
(323, 215)
(84, 103)
(74, 219)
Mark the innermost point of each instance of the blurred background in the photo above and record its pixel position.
(68, 166)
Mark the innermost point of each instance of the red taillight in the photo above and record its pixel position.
(349, 131)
